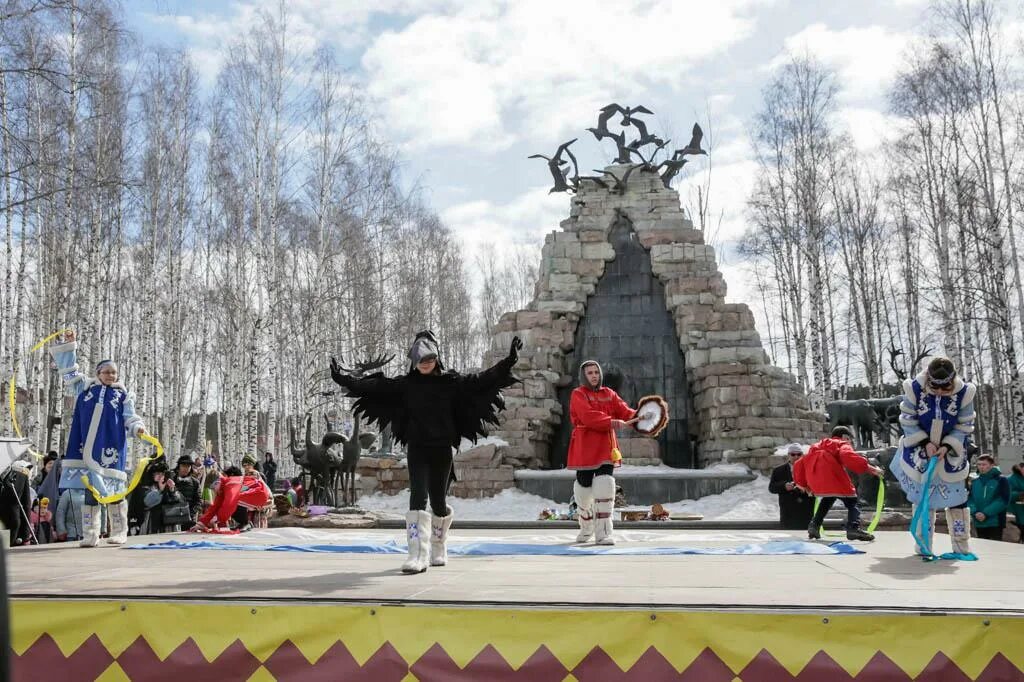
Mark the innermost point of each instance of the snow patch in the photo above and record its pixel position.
(748, 501)
(467, 444)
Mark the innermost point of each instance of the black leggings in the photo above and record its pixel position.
(586, 478)
(430, 470)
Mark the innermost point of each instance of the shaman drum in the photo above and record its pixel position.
(652, 414)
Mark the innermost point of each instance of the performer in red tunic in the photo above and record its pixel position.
(595, 411)
(237, 494)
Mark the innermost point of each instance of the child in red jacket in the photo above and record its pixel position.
(822, 471)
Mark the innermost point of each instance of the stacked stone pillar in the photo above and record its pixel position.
(743, 407)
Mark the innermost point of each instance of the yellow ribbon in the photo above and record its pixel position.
(12, 390)
(140, 468)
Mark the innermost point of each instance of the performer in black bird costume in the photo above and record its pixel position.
(430, 410)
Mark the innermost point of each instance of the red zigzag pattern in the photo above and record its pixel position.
(44, 661)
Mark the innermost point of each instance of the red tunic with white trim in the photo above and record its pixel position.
(593, 438)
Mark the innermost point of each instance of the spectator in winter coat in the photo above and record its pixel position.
(16, 501)
(186, 484)
(211, 474)
(48, 463)
(989, 497)
(1016, 483)
(68, 519)
(42, 520)
(270, 470)
(296, 493)
(822, 471)
(796, 507)
(161, 493)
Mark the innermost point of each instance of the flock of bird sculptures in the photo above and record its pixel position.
(566, 172)
(323, 461)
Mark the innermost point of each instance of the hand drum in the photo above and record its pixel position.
(652, 414)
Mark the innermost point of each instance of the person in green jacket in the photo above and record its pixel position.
(1016, 483)
(988, 499)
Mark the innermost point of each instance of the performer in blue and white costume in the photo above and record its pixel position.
(104, 414)
(937, 417)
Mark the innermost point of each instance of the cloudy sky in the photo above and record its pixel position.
(467, 89)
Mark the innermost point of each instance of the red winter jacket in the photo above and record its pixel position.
(593, 438)
(823, 469)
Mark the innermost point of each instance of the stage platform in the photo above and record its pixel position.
(116, 613)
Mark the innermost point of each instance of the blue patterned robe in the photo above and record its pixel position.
(98, 437)
(943, 420)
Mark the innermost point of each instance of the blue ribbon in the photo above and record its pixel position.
(920, 523)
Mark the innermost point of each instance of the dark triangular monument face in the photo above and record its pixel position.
(629, 330)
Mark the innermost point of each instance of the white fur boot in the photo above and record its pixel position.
(118, 515)
(584, 511)
(417, 532)
(931, 530)
(91, 519)
(604, 505)
(959, 522)
(439, 538)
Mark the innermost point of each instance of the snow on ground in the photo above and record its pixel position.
(511, 504)
(746, 501)
(743, 502)
(467, 444)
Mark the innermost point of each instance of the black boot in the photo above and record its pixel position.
(812, 531)
(858, 534)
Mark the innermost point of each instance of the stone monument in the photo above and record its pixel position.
(629, 282)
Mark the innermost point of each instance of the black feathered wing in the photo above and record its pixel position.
(478, 400)
(380, 401)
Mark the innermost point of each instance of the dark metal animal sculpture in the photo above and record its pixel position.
(669, 168)
(858, 414)
(351, 451)
(888, 412)
(560, 169)
(620, 183)
(298, 454)
(900, 372)
(323, 464)
(628, 119)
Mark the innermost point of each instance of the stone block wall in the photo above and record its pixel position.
(743, 408)
(481, 472)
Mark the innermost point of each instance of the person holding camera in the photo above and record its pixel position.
(166, 509)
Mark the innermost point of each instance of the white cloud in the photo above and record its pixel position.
(731, 185)
(865, 58)
(870, 129)
(309, 23)
(457, 78)
(523, 220)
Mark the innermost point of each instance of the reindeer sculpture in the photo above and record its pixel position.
(888, 409)
(351, 451)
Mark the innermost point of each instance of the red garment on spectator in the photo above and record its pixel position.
(593, 437)
(823, 469)
(234, 491)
